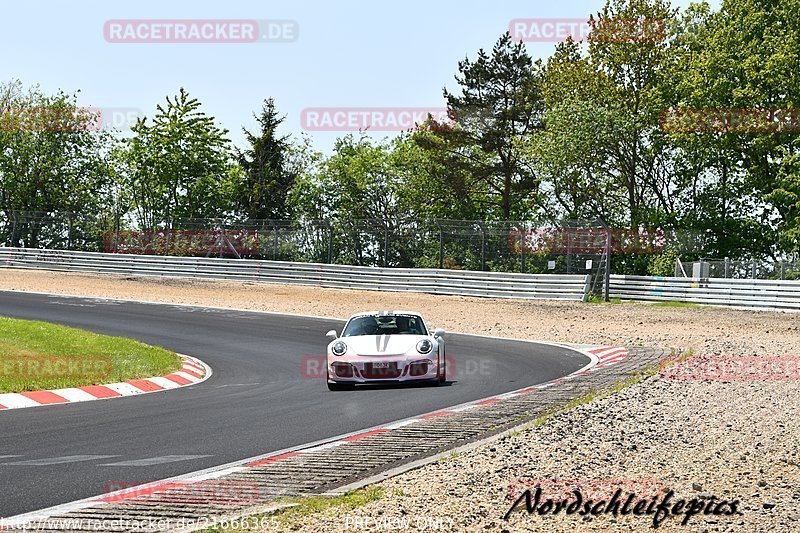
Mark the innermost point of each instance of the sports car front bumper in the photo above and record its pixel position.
(362, 369)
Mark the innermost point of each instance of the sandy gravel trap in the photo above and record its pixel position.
(719, 432)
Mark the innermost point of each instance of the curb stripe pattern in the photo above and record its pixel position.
(193, 371)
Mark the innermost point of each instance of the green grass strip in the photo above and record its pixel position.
(39, 356)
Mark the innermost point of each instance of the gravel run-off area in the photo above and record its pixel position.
(732, 436)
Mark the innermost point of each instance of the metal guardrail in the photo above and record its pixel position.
(743, 293)
(445, 282)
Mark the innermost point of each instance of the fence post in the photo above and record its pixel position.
(727, 267)
(116, 231)
(483, 248)
(14, 228)
(607, 273)
(569, 251)
(755, 267)
(783, 269)
(386, 246)
(169, 235)
(274, 242)
(69, 231)
(330, 243)
(441, 246)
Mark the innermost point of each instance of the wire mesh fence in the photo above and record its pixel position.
(538, 247)
(733, 269)
(566, 246)
(54, 230)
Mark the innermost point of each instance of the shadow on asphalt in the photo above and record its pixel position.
(395, 386)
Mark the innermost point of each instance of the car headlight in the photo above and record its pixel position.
(424, 346)
(339, 348)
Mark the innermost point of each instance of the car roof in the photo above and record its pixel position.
(385, 313)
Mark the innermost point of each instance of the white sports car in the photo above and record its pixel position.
(385, 346)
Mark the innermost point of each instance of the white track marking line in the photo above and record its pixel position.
(59, 460)
(402, 424)
(213, 474)
(157, 460)
(23, 520)
(322, 447)
(462, 408)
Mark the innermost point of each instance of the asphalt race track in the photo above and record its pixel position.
(258, 400)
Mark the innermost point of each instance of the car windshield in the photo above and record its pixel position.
(384, 325)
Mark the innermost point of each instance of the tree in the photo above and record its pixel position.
(178, 165)
(372, 190)
(499, 102)
(602, 146)
(263, 192)
(53, 162)
(746, 57)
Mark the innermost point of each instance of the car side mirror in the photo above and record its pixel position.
(332, 335)
(438, 334)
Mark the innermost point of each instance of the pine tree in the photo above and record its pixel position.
(263, 191)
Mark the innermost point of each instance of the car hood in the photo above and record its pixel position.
(378, 345)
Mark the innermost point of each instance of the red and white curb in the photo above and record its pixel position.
(600, 357)
(192, 372)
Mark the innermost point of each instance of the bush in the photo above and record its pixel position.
(663, 264)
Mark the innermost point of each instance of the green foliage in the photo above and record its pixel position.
(178, 165)
(674, 304)
(663, 264)
(53, 158)
(326, 506)
(499, 103)
(744, 56)
(598, 299)
(368, 181)
(266, 180)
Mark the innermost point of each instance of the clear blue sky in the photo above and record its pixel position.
(348, 53)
